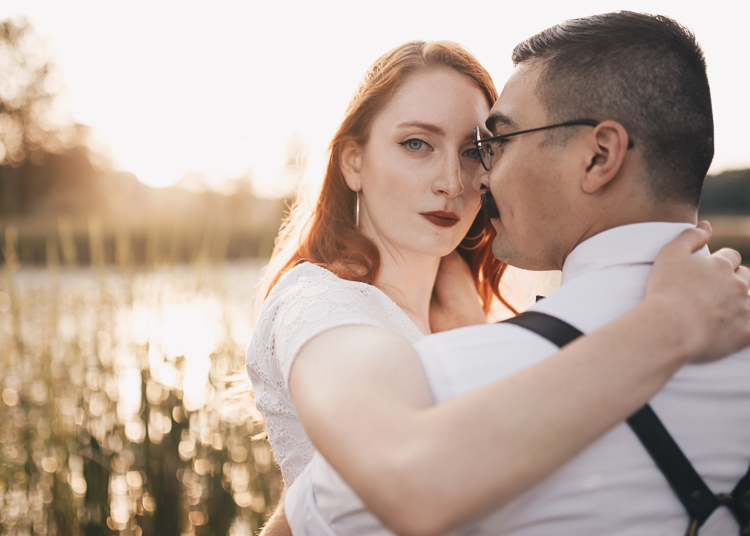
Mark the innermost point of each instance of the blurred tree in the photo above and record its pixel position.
(25, 96)
(727, 193)
(40, 144)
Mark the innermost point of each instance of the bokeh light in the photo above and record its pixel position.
(114, 406)
(218, 95)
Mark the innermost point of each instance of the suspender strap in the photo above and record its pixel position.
(694, 494)
(551, 328)
(741, 503)
(697, 498)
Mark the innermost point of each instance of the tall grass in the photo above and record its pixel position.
(114, 410)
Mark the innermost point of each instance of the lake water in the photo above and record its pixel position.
(116, 411)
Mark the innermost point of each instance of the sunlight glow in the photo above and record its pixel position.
(220, 93)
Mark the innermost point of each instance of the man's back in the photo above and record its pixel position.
(613, 487)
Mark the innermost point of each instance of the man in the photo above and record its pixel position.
(601, 140)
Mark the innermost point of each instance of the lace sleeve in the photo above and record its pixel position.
(311, 306)
(307, 301)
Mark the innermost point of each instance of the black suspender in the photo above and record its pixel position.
(697, 498)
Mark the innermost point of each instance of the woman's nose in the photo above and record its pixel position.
(450, 181)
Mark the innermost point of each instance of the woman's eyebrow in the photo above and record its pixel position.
(426, 126)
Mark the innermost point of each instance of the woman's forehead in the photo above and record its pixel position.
(442, 98)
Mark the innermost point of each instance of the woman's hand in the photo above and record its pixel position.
(455, 302)
(703, 298)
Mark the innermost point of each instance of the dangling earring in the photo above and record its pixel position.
(356, 213)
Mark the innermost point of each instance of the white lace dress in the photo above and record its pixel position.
(307, 301)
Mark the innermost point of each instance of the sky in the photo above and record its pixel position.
(220, 88)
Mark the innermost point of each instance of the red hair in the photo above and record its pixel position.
(328, 238)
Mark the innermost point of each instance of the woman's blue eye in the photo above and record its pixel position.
(413, 144)
(472, 153)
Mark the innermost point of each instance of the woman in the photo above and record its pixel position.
(400, 193)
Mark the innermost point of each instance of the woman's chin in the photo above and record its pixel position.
(437, 248)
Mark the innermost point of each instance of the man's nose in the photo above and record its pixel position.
(481, 179)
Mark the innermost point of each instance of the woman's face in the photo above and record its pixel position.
(418, 173)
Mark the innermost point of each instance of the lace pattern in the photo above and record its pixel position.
(307, 301)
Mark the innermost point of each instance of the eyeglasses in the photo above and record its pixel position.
(484, 146)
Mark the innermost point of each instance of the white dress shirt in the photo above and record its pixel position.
(613, 486)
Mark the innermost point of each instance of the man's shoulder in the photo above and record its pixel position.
(460, 360)
(597, 298)
(475, 336)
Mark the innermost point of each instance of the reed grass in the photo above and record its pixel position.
(114, 406)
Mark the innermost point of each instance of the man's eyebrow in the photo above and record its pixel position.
(496, 119)
(425, 126)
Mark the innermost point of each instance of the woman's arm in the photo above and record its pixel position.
(378, 428)
(277, 524)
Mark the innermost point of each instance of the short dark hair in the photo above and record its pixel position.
(645, 71)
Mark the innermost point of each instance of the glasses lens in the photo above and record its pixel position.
(482, 149)
(483, 156)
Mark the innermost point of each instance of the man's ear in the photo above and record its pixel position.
(608, 148)
(350, 160)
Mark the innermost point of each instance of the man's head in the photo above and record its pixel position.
(643, 79)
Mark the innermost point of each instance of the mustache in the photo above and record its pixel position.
(489, 207)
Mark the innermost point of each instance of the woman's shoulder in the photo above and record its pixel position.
(310, 280)
(311, 295)
(305, 274)
(307, 301)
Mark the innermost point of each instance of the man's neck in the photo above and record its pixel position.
(629, 214)
(635, 243)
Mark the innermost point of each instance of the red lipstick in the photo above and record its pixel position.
(441, 218)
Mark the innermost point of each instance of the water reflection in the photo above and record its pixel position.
(115, 414)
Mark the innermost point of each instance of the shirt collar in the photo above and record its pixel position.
(637, 243)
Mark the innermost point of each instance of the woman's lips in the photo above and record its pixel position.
(441, 218)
